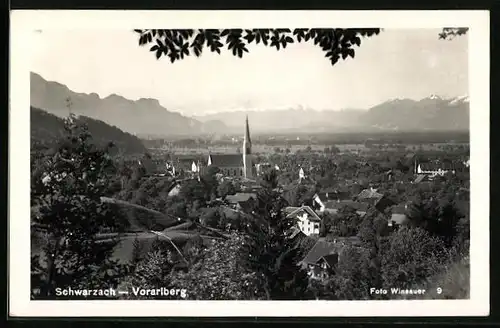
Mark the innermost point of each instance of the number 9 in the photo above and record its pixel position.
(439, 290)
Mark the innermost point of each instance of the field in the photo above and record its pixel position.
(268, 149)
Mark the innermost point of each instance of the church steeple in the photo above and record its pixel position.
(247, 151)
(247, 142)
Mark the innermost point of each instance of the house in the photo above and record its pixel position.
(261, 168)
(247, 186)
(371, 196)
(333, 194)
(307, 219)
(174, 189)
(186, 164)
(322, 259)
(296, 234)
(398, 216)
(301, 174)
(318, 204)
(434, 168)
(241, 201)
(334, 207)
(421, 178)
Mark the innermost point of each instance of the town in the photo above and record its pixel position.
(329, 193)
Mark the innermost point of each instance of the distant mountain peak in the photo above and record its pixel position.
(433, 96)
(460, 99)
(115, 96)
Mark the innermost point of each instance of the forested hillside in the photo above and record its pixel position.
(47, 128)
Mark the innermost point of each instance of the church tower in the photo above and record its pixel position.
(247, 152)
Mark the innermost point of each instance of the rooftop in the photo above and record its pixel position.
(320, 249)
(369, 193)
(337, 205)
(240, 197)
(399, 219)
(291, 211)
(434, 166)
(420, 178)
(227, 160)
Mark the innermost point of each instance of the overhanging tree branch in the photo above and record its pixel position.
(177, 44)
(336, 43)
(449, 33)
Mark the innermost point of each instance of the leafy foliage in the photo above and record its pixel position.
(411, 256)
(177, 44)
(345, 223)
(452, 32)
(225, 188)
(454, 281)
(353, 279)
(218, 273)
(336, 43)
(70, 214)
(152, 272)
(269, 252)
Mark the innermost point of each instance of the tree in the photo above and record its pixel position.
(353, 278)
(300, 194)
(152, 272)
(438, 215)
(334, 150)
(177, 44)
(218, 274)
(269, 252)
(193, 190)
(70, 215)
(269, 180)
(210, 182)
(410, 256)
(226, 188)
(327, 221)
(345, 224)
(210, 217)
(450, 33)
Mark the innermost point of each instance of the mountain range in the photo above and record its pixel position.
(146, 117)
(431, 113)
(141, 117)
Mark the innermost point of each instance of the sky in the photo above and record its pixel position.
(400, 63)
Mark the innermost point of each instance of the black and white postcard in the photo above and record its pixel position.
(249, 163)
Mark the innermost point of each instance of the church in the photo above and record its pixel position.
(236, 165)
